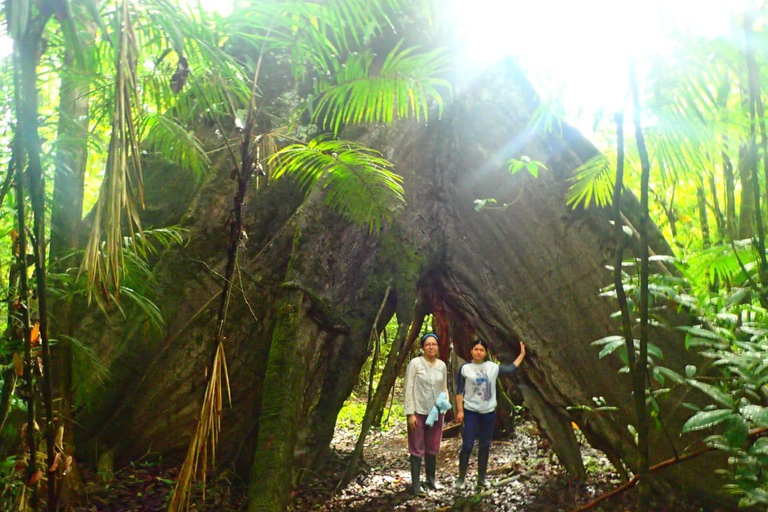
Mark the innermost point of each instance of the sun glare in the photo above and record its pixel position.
(581, 49)
(222, 7)
(6, 46)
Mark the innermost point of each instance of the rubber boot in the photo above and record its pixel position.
(415, 476)
(430, 464)
(463, 465)
(482, 465)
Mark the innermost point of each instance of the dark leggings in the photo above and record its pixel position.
(477, 426)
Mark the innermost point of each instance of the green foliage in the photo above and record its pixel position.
(352, 413)
(11, 487)
(525, 162)
(360, 183)
(515, 166)
(172, 142)
(592, 183)
(401, 89)
(733, 335)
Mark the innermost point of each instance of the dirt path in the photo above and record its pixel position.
(530, 476)
(525, 472)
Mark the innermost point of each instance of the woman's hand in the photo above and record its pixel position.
(460, 416)
(412, 421)
(520, 356)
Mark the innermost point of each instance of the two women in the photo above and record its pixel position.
(425, 379)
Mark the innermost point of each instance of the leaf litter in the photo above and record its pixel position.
(523, 470)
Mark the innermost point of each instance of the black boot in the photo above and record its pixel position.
(415, 476)
(430, 464)
(463, 464)
(482, 465)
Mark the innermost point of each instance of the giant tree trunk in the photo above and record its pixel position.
(310, 286)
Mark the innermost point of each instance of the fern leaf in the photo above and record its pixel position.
(402, 88)
(359, 182)
(592, 182)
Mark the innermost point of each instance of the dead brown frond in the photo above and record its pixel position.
(267, 147)
(206, 432)
(122, 188)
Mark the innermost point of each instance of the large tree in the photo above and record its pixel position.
(309, 285)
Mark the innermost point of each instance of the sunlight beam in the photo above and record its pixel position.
(581, 49)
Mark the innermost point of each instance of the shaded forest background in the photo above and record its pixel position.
(209, 220)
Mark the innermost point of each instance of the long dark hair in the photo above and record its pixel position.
(478, 341)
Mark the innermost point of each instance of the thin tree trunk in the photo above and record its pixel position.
(621, 295)
(730, 197)
(9, 387)
(715, 206)
(376, 340)
(626, 319)
(12, 324)
(380, 416)
(26, 332)
(747, 175)
(27, 116)
(401, 346)
(669, 211)
(729, 228)
(66, 226)
(701, 196)
(639, 374)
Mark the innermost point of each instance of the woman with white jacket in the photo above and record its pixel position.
(425, 379)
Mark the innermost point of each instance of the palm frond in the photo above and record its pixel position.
(206, 433)
(167, 139)
(354, 21)
(360, 183)
(97, 370)
(150, 310)
(720, 262)
(214, 72)
(401, 89)
(592, 182)
(122, 189)
(313, 33)
(679, 147)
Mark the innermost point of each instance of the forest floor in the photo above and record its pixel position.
(524, 471)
